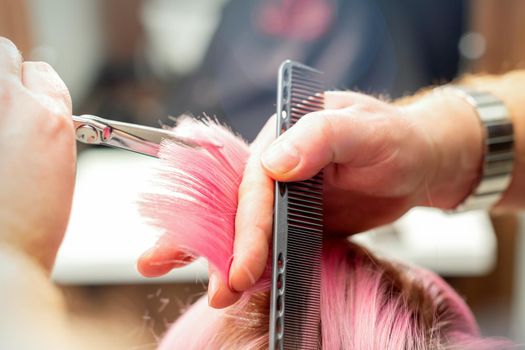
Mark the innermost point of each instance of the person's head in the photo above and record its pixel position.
(366, 302)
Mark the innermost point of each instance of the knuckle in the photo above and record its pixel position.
(253, 191)
(59, 126)
(58, 88)
(244, 188)
(263, 226)
(365, 108)
(45, 74)
(324, 125)
(62, 122)
(320, 128)
(248, 189)
(53, 118)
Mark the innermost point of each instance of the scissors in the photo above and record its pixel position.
(141, 139)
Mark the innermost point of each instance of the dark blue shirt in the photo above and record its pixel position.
(375, 46)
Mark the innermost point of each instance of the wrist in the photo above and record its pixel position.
(456, 140)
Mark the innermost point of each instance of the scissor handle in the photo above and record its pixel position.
(146, 140)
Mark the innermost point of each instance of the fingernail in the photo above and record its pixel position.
(213, 286)
(281, 157)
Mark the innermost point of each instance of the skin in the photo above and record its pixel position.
(377, 175)
(37, 168)
(37, 152)
(37, 172)
(380, 159)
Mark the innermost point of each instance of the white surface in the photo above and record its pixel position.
(106, 233)
(178, 32)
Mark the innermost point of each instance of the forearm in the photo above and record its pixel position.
(458, 135)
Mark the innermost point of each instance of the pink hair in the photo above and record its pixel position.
(366, 303)
(198, 191)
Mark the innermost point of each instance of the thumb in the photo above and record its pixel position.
(352, 136)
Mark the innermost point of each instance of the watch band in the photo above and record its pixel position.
(498, 144)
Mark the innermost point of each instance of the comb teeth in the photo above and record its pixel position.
(298, 225)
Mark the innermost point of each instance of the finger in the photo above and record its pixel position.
(253, 222)
(10, 60)
(162, 258)
(219, 293)
(351, 135)
(344, 99)
(42, 79)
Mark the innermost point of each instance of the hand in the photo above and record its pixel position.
(379, 160)
(37, 155)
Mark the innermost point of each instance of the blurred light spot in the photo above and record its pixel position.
(179, 32)
(300, 19)
(472, 45)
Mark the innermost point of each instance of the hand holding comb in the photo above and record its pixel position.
(298, 225)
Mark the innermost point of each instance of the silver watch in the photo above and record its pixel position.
(498, 154)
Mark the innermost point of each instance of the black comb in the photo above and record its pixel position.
(298, 225)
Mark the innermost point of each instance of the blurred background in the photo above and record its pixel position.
(144, 60)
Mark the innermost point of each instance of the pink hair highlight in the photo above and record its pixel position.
(197, 201)
(365, 303)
